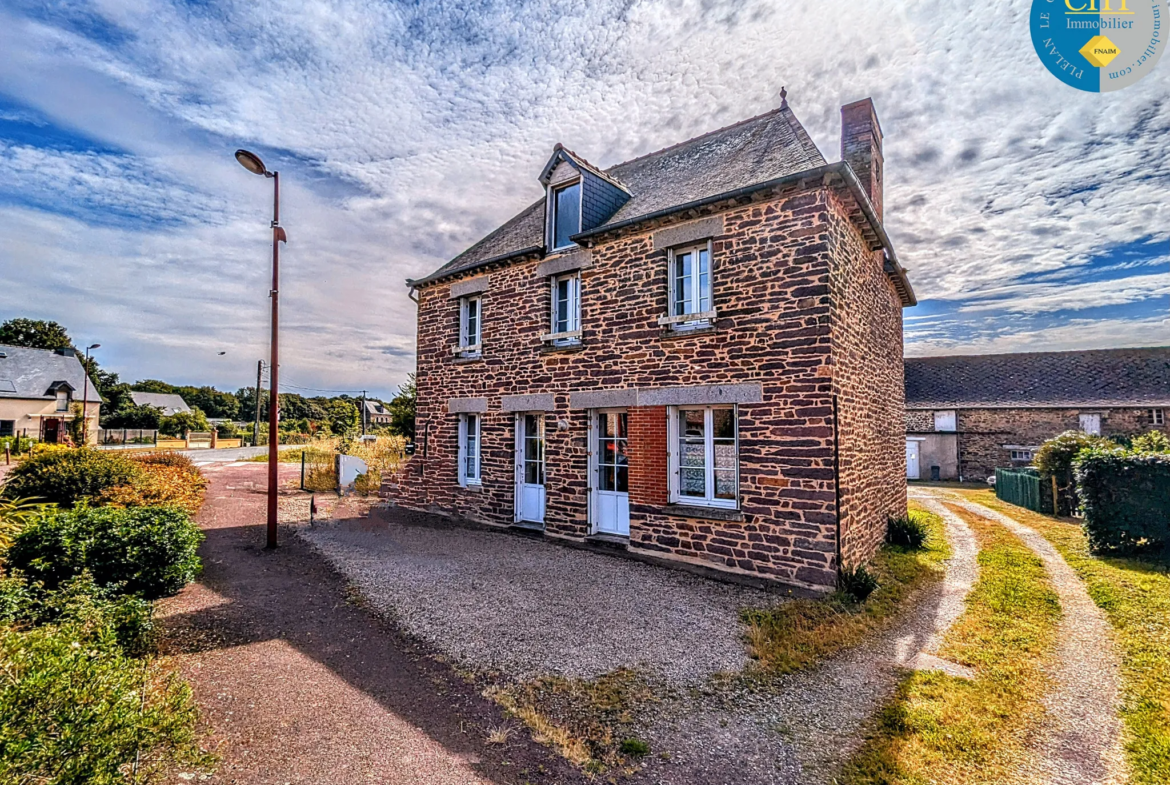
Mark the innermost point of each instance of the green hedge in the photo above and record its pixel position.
(66, 477)
(148, 552)
(1125, 498)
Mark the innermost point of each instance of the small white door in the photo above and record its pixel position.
(530, 468)
(912, 459)
(610, 467)
(1091, 424)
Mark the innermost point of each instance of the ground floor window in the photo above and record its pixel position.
(469, 473)
(7, 428)
(704, 459)
(1022, 455)
(1156, 416)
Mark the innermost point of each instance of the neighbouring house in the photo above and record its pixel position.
(694, 357)
(166, 403)
(376, 414)
(38, 388)
(968, 415)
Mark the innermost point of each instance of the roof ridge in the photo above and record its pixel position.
(1025, 354)
(685, 142)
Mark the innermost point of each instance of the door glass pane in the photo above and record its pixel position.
(533, 449)
(471, 471)
(622, 484)
(692, 450)
(723, 424)
(724, 484)
(692, 482)
(623, 421)
(568, 214)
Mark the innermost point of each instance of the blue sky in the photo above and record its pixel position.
(1031, 216)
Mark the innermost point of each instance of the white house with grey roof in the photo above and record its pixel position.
(38, 389)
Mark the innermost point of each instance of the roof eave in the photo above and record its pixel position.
(505, 257)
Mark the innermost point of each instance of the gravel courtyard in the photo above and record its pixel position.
(527, 607)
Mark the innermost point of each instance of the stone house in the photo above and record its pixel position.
(968, 415)
(38, 390)
(693, 357)
(376, 413)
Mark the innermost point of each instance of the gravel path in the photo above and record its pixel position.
(296, 686)
(804, 727)
(1082, 742)
(525, 607)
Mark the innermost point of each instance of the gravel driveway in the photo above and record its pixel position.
(527, 607)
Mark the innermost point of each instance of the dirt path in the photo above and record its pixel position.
(298, 686)
(1082, 744)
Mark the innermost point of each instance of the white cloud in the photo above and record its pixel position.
(406, 132)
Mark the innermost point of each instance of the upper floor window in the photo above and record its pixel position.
(566, 215)
(566, 307)
(62, 400)
(1156, 416)
(945, 421)
(470, 323)
(469, 473)
(690, 286)
(704, 466)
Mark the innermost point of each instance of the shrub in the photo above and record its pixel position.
(1154, 441)
(857, 583)
(148, 552)
(907, 531)
(157, 484)
(635, 747)
(65, 476)
(78, 709)
(1125, 498)
(14, 515)
(1055, 458)
(164, 458)
(181, 422)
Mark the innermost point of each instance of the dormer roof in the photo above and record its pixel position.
(562, 154)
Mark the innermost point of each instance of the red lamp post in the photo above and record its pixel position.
(85, 398)
(253, 164)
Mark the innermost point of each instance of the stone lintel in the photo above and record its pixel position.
(694, 395)
(566, 263)
(467, 405)
(537, 402)
(474, 285)
(689, 232)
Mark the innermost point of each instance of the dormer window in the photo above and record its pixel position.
(566, 215)
(62, 400)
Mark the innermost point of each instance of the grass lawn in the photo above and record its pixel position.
(800, 633)
(1135, 596)
(941, 728)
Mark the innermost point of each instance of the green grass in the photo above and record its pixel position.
(941, 728)
(1135, 596)
(800, 633)
(283, 456)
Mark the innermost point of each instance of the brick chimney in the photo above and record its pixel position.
(861, 147)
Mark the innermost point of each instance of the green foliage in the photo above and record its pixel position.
(16, 444)
(77, 426)
(1125, 499)
(15, 514)
(147, 552)
(181, 422)
(1055, 458)
(635, 748)
(128, 414)
(34, 334)
(908, 531)
(402, 409)
(1154, 441)
(164, 458)
(857, 582)
(227, 430)
(343, 417)
(67, 476)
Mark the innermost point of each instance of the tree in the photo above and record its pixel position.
(213, 402)
(131, 416)
(155, 386)
(35, 334)
(181, 422)
(343, 417)
(402, 409)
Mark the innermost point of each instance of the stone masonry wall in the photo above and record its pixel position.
(868, 381)
(772, 271)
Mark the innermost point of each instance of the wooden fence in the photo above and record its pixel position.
(1019, 487)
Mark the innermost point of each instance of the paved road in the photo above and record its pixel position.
(300, 687)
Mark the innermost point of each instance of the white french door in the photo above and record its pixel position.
(912, 470)
(609, 468)
(530, 468)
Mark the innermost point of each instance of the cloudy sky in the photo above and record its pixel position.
(1031, 216)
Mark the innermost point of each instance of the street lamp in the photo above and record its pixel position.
(85, 398)
(253, 164)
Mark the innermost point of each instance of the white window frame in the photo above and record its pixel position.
(552, 212)
(469, 342)
(696, 318)
(62, 400)
(946, 421)
(675, 473)
(572, 333)
(1088, 417)
(1021, 455)
(470, 425)
(1157, 416)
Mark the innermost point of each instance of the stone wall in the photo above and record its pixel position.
(774, 278)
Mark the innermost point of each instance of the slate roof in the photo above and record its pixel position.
(30, 373)
(376, 407)
(170, 403)
(1105, 378)
(753, 151)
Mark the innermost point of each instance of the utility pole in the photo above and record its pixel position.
(256, 423)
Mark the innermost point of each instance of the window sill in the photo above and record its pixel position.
(473, 349)
(707, 513)
(561, 348)
(679, 322)
(562, 339)
(671, 334)
(474, 487)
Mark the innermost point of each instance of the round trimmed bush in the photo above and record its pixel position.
(66, 477)
(148, 552)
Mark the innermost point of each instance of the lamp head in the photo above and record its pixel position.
(251, 162)
(95, 346)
